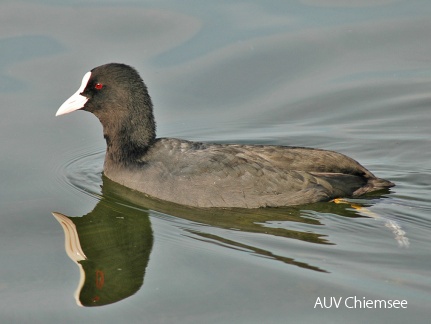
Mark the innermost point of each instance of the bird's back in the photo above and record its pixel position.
(249, 176)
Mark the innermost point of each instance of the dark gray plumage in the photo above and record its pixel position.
(201, 174)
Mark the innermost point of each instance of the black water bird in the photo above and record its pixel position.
(202, 174)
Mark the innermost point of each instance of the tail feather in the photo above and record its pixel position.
(373, 184)
(349, 185)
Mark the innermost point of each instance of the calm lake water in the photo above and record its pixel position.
(351, 77)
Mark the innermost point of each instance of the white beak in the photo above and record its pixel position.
(76, 101)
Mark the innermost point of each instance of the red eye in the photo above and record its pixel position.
(98, 86)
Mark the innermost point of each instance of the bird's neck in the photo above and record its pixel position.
(128, 140)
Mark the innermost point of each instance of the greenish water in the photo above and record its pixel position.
(354, 78)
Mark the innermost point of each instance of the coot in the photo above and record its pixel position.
(202, 174)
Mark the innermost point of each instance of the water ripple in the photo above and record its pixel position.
(82, 171)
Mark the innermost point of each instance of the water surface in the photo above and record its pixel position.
(354, 78)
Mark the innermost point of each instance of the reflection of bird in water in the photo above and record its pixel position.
(111, 246)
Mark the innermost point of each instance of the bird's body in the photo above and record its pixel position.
(201, 174)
